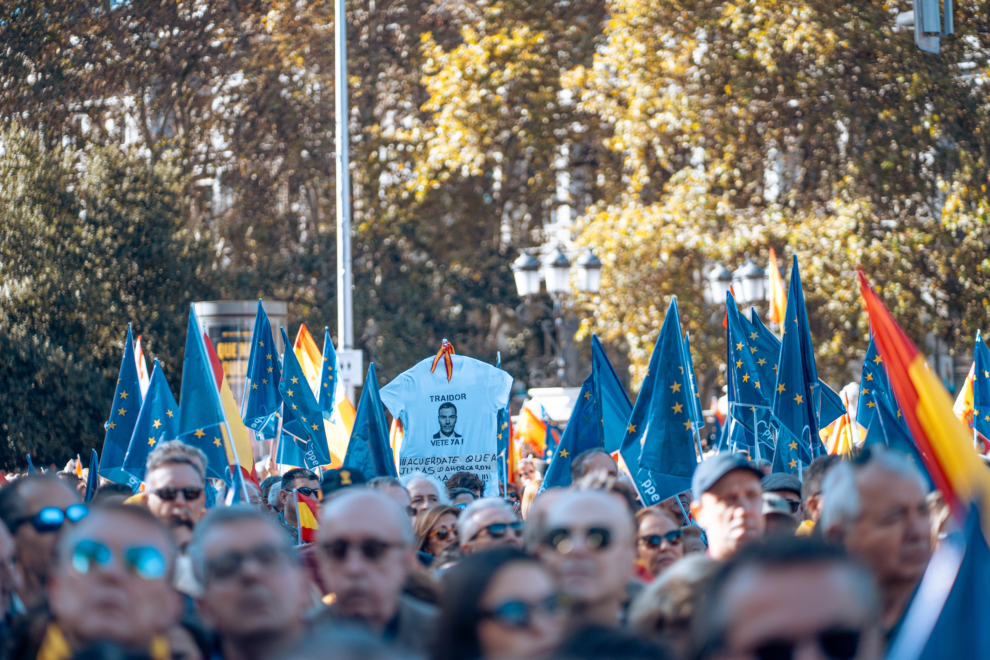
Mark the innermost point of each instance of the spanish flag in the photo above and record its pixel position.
(308, 517)
(309, 356)
(838, 436)
(530, 430)
(964, 402)
(945, 445)
(777, 295)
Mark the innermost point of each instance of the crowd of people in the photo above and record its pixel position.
(744, 565)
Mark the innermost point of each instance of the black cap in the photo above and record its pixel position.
(334, 480)
(781, 481)
(716, 467)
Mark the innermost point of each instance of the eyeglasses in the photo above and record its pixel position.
(835, 644)
(519, 613)
(672, 537)
(146, 562)
(309, 492)
(441, 533)
(498, 530)
(562, 539)
(168, 493)
(795, 505)
(51, 518)
(371, 549)
(229, 564)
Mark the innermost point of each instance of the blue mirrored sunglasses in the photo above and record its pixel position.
(144, 561)
(51, 518)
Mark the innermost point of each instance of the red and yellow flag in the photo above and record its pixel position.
(964, 402)
(839, 436)
(241, 439)
(945, 445)
(532, 431)
(777, 294)
(309, 356)
(308, 517)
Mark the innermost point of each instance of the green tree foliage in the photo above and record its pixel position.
(90, 242)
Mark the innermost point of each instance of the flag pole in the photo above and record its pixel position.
(278, 438)
(756, 435)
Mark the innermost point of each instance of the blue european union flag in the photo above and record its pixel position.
(746, 384)
(302, 416)
(262, 398)
(583, 432)
(791, 454)
(369, 451)
(293, 451)
(158, 421)
(981, 387)
(613, 401)
(667, 438)
(887, 428)
(93, 481)
(123, 415)
(697, 416)
(797, 377)
(872, 382)
(328, 376)
(946, 621)
(829, 407)
(201, 418)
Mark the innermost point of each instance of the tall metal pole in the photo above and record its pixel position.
(345, 282)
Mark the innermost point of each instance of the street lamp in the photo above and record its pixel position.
(557, 272)
(720, 279)
(749, 283)
(589, 272)
(526, 270)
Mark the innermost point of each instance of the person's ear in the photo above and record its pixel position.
(696, 512)
(835, 534)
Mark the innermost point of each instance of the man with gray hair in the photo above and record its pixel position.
(175, 476)
(254, 590)
(875, 508)
(365, 551)
(488, 523)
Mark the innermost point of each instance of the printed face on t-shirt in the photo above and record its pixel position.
(448, 419)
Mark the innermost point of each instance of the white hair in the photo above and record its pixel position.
(441, 489)
(841, 506)
(467, 526)
(273, 494)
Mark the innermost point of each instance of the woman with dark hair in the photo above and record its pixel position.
(436, 529)
(499, 604)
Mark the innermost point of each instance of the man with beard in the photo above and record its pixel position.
(254, 587)
(176, 481)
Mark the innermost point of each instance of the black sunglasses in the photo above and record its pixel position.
(835, 644)
(672, 537)
(229, 564)
(498, 530)
(309, 492)
(794, 505)
(168, 493)
(561, 539)
(370, 549)
(519, 613)
(51, 518)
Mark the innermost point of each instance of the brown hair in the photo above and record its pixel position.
(426, 520)
(656, 510)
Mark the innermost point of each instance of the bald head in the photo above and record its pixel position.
(591, 507)
(356, 508)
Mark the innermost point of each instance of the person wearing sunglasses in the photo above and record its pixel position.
(34, 510)
(789, 599)
(307, 484)
(787, 486)
(112, 583)
(499, 604)
(175, 481)
(658, 541)
(365, 551)
(255, 590)
(489, 523)
(436, 529)
(589, 546)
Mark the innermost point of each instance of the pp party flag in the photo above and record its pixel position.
(369, 452)
(947, 618)
(123, 416)
(963, 407)
(797, 377)
(944, 443)
(201, 414)
(613, 401)
(981, 387)
(308, 517)
(142, 367)
(93, 481)
(158, 421)
(872, 383)
(262, 398)
(778, 298)
(238, 445)
(583, 432)
(302, 417)
(667, 438)
(309, 357)
(887, 429)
